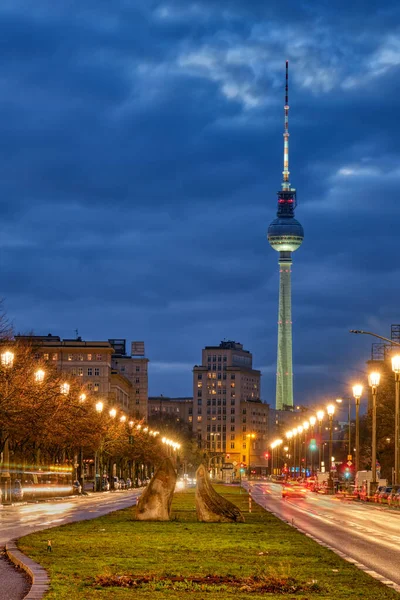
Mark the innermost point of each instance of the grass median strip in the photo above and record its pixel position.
(116, 557)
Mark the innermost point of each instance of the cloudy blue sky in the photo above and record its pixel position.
(140, 155)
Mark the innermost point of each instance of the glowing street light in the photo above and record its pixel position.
(7, 359)
(82, 397)
(113, 413)
(64, 389)
(39, 376)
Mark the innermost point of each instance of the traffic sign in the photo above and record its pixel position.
(349, 463)
(349, 457)
(234, 463)
(227, 466)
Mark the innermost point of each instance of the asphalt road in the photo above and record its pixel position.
(368, 533)
(16, 521)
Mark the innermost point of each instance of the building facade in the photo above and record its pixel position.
(180, 410)
(134, 367)
(103, 366)
(229, 418)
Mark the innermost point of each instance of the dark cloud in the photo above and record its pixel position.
(140, 155)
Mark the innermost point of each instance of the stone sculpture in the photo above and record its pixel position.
(210, 506)
(155, 502)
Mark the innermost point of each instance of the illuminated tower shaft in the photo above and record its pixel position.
(285, 235)
(284, 372)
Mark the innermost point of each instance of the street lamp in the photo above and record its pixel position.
(250, 436)
(357, 392)
(373, 380)
(113, 413)
(7, 361)
(330, 409)
(306, 426)
(300, 431)
(289, 437)
(99, 410)
(39, 376)
(313, 420)
(320, 416)
(82, 397)
(64, 389)
(396, 371)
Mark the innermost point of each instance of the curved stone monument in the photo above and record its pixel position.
(155, 502)
(210, 506)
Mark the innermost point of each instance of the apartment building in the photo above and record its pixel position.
(228, 415)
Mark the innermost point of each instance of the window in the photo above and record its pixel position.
(37, 356)
(199, 376)
(90, 371)
(199, 418)
(199, 393)
(223, 375)
(96, 372)
(232, 411)
(137, 369)
(137, 401)
(54, 356)
(233, 376)
(214, 357)
(244, 446)
(233, 384)
(70, 357)
(80, 372)
(73, 371)
(137, 391)
(232, 445)
(190, 419)
(46, 356)
(99, 357)
(96, 387)
(89, 356)
(80, 356)
(224, 359)
(90, 386)
(232, 436)
(137, 379)
(219, 358)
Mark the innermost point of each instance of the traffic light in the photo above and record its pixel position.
(266, 455)
(313, 444)
(228, 456)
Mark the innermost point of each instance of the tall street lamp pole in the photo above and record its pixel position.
(294, 432)
(300, 431)
(249, 437)
(313, 420)
(357, 392)
(320, 416)
(306, 426)
(97, 482)
(7, 361)
(373, 380)
(396, 371)
(331, 411)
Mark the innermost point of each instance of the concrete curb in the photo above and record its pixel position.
(38, 575)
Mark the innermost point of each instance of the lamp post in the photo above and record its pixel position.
(294, 432)
(249, 437)
(396, 371)
(306, 426)
(373, 380)
(320, 416)
(313, 420)
(97, 482)
(331, 411)
(300, 431)
(7, 361)
(357, 392)
(289, 437)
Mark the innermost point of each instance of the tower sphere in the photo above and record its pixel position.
(285, 234)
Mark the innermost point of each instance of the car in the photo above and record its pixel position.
(17, 492)
(294, 490)
(383, 495)
(393, 496)
(76, 487)
(128, 483)
(122, 484)
(114, 483)
(375, 497)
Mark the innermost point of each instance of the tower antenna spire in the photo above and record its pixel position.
(285, 182)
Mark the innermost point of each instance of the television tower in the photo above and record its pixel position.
(285, 235)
